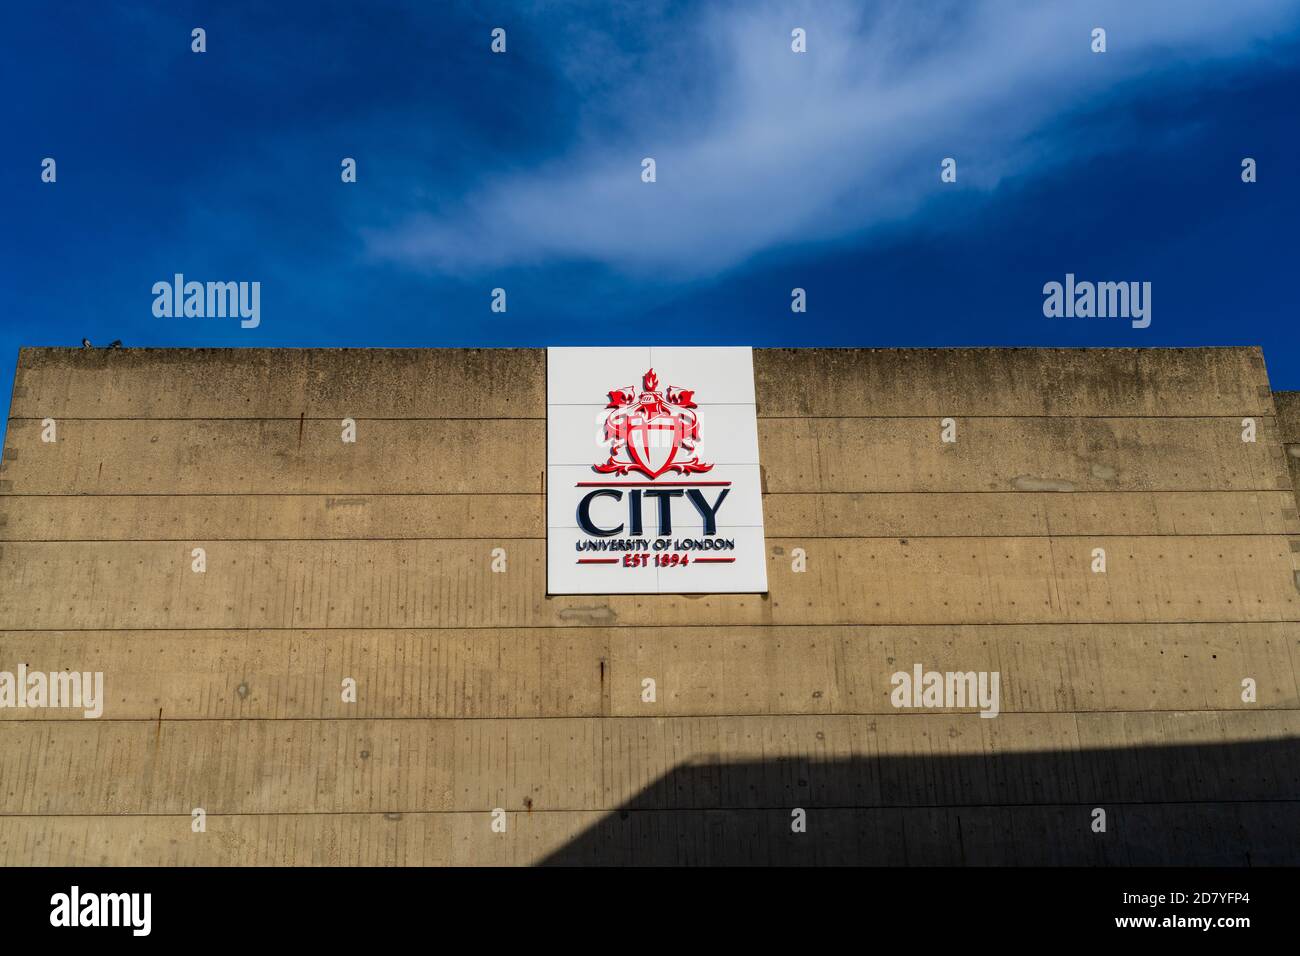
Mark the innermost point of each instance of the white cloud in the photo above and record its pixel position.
(758, 147)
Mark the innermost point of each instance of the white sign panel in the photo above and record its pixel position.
(652, 479)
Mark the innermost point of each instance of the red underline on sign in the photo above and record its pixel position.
(714, 560)
(598, 560)
(647, 484)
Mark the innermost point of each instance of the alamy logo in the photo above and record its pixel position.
(1100, 300)
(210, 300)
(951, 689)
(653, 432)
(55, 689)
(75, 908)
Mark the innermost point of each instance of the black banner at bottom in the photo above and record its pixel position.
(336, 906)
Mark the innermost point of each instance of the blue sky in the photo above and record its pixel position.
(774, 170)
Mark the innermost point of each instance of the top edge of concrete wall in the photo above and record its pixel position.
(46, 351)
(510, 382)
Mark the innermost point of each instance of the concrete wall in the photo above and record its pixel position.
(476, 691)
(1288, 426)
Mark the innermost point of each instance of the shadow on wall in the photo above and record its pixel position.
(1214, 804)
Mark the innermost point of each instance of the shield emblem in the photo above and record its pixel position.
(653, 443)
(657, 431)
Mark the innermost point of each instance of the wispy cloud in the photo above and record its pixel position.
(758, 147)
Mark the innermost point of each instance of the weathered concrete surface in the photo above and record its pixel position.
(511, 383)
(597, 671)
(476, 691)
(587, 763)
(498, 456)
(1207, 834)
(158, 517)
(1019, 382)
(283, 383)
(449, 583)
(1288, 415)
(1288, 426)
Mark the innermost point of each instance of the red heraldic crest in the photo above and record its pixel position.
(654, 432)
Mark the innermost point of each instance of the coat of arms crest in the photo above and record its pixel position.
(653, 432)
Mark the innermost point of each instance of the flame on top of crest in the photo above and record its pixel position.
(651, 381)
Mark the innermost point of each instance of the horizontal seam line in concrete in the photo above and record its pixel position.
(336, 418)
(1037, 415)
(702, 809)
(783, 537)
(585, 627)
(815, 493)
(542, 418)
(565, 627)
(539, 494)
(900, 712)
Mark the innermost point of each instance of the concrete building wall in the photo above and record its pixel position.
(476, 691)
(1288, 426)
